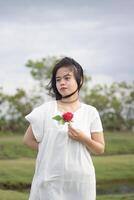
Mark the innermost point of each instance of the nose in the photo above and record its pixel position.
(62, 82)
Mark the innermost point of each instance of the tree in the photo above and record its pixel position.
(41, 69)
(15, 108)
(115, 102)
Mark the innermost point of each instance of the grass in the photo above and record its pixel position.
(111, 171)
(16, 172)
(13, 195)
(116, 197)
(114, 170)
(11, 146)
(119, 143)
(114, 167)
(114, 173)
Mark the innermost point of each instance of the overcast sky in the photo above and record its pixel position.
(99, 34)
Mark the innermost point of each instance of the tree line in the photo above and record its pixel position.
(114, 102)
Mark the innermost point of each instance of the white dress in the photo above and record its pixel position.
(64, 168)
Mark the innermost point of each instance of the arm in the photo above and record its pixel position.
(29, 139)
(95, 144)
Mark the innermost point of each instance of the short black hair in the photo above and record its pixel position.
(74, 66)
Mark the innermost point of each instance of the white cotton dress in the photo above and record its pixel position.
(64, 168)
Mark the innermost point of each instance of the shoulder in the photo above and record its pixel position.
(89, 108)
(45, 106)
(90, 111)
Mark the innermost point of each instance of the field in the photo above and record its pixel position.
(114, 170)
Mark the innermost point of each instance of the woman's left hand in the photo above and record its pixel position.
(75, 134)
(95, 143)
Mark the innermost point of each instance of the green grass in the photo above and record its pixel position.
(16, 172)
(114, 169)
(116, 197)
(13, 195)
(12, 147)
(108, 169)
(111, 171)
(119, 143)
(114, 173)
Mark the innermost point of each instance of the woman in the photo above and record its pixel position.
(64, 168)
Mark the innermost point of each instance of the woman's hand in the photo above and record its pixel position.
(75, 134)
(95, 143)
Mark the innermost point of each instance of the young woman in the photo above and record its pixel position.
(64, 168)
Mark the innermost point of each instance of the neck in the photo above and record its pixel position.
(69, 101)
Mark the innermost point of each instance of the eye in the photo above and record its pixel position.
(67, 78)
(57, 80)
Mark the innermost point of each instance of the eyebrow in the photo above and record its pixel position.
(64, 75)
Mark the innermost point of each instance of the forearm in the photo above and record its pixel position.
(94, 146)
(30, 140)
(33, 144)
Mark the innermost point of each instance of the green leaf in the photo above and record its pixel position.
(57, 117)
(62, 121)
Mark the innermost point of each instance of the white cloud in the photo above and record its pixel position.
(101, 79)
(98, 35)
(12, 81)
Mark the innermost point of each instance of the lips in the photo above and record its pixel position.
(63, 88)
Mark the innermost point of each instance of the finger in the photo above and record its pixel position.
(74, 132)
(70, 127)
(70, 135)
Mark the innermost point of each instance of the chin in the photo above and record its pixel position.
(64, 94)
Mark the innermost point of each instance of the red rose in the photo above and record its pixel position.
(67, 117)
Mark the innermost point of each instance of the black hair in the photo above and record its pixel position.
(74, 66)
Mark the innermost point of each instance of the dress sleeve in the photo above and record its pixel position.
(36, 120)
(96, 124)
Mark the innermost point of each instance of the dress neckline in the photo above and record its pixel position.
(61, 112)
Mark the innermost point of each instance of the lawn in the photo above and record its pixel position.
(13, 195)
(111, 171)
(114, 169)
(119, 143)
(12, 147)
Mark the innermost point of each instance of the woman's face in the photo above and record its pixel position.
(65, 81)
